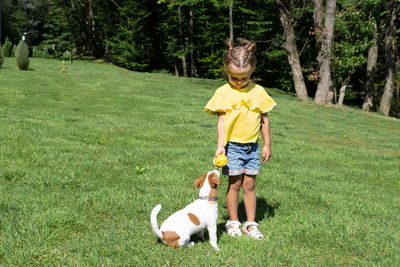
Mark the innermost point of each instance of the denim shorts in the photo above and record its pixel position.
(242, 158)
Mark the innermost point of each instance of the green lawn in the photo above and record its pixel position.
(86, 155)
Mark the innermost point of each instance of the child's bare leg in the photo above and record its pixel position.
(232, 196)
(249, 197)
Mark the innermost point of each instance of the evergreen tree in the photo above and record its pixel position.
(131, 47)
(13, 19)
(22, 55)
(7, 48)
(56, 32)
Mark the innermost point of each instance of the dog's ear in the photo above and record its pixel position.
(214, 179)
(196, 184)
(199, 182)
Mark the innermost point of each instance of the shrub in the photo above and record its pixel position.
(45, 51)
(37, 51)
(22, 55)
(1, 59)
(7, 48)
(66, 54)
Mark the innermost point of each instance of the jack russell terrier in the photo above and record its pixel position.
(176, 230)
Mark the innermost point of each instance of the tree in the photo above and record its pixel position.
(390, 56)
(318, 27)
(182, 41)
(325, 83)
(354, 33)
(13, 20)
(22, 55)
(56, 35)
(130, 46)
(291, 49)
(231, 21)
(371, 70)
(7, 48)
(35, 17)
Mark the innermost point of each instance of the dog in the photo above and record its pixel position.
(202, 213)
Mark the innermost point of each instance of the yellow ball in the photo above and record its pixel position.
(221, 160)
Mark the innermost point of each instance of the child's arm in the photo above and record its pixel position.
(220, 136)
(266, 152)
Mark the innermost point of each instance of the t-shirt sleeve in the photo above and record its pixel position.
(266, 103)
(218, 103)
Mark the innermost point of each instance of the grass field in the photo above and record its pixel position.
(86, 155)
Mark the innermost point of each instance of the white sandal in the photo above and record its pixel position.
(233, 228)
(254, 233)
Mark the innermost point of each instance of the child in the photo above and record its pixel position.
(242, 108)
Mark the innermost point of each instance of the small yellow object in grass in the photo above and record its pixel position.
(62, 66)
(221, 160)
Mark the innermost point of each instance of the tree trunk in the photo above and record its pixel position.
(182, 41)
(318, 26)
(231, 21)
(325, 82)
(106, 46)
(291, 50)
(341, 95)
(192, 65)
(398, 78)
(370, 75)
(332, 94)
(390, 56)
(342, 91)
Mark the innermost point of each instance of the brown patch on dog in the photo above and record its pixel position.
(193, 218)
(213, 180)
(199, 182)
(171, 238)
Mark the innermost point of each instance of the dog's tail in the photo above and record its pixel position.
(153, 220)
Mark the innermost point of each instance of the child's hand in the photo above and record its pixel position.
(266, 154)
(220, 150)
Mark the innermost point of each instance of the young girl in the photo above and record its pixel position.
(242, 108)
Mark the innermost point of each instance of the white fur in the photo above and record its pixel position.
(180, 223)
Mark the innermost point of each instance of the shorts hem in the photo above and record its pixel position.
(238, 172)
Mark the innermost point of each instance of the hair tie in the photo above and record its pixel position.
(247, 46)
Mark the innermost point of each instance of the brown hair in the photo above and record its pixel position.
(241, 56)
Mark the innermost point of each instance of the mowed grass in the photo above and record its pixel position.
(86, 155)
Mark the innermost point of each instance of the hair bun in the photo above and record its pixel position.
(229, 45)
(251, 47)
(247, 44)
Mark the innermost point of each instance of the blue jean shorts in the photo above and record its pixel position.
(242, 158)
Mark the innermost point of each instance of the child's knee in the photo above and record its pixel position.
(248, 185)
(235, 183)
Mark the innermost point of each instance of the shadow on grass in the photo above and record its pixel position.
(264, 209)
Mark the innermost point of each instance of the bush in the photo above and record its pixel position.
(22, 55)
(1, 59)
(66, 55)
(37, 52)
(45, 51)
(7, 48)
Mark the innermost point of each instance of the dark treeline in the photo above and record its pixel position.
(334, 51)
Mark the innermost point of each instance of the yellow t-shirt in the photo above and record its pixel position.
(243, 109)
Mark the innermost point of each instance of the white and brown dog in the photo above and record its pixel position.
(176, 230)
